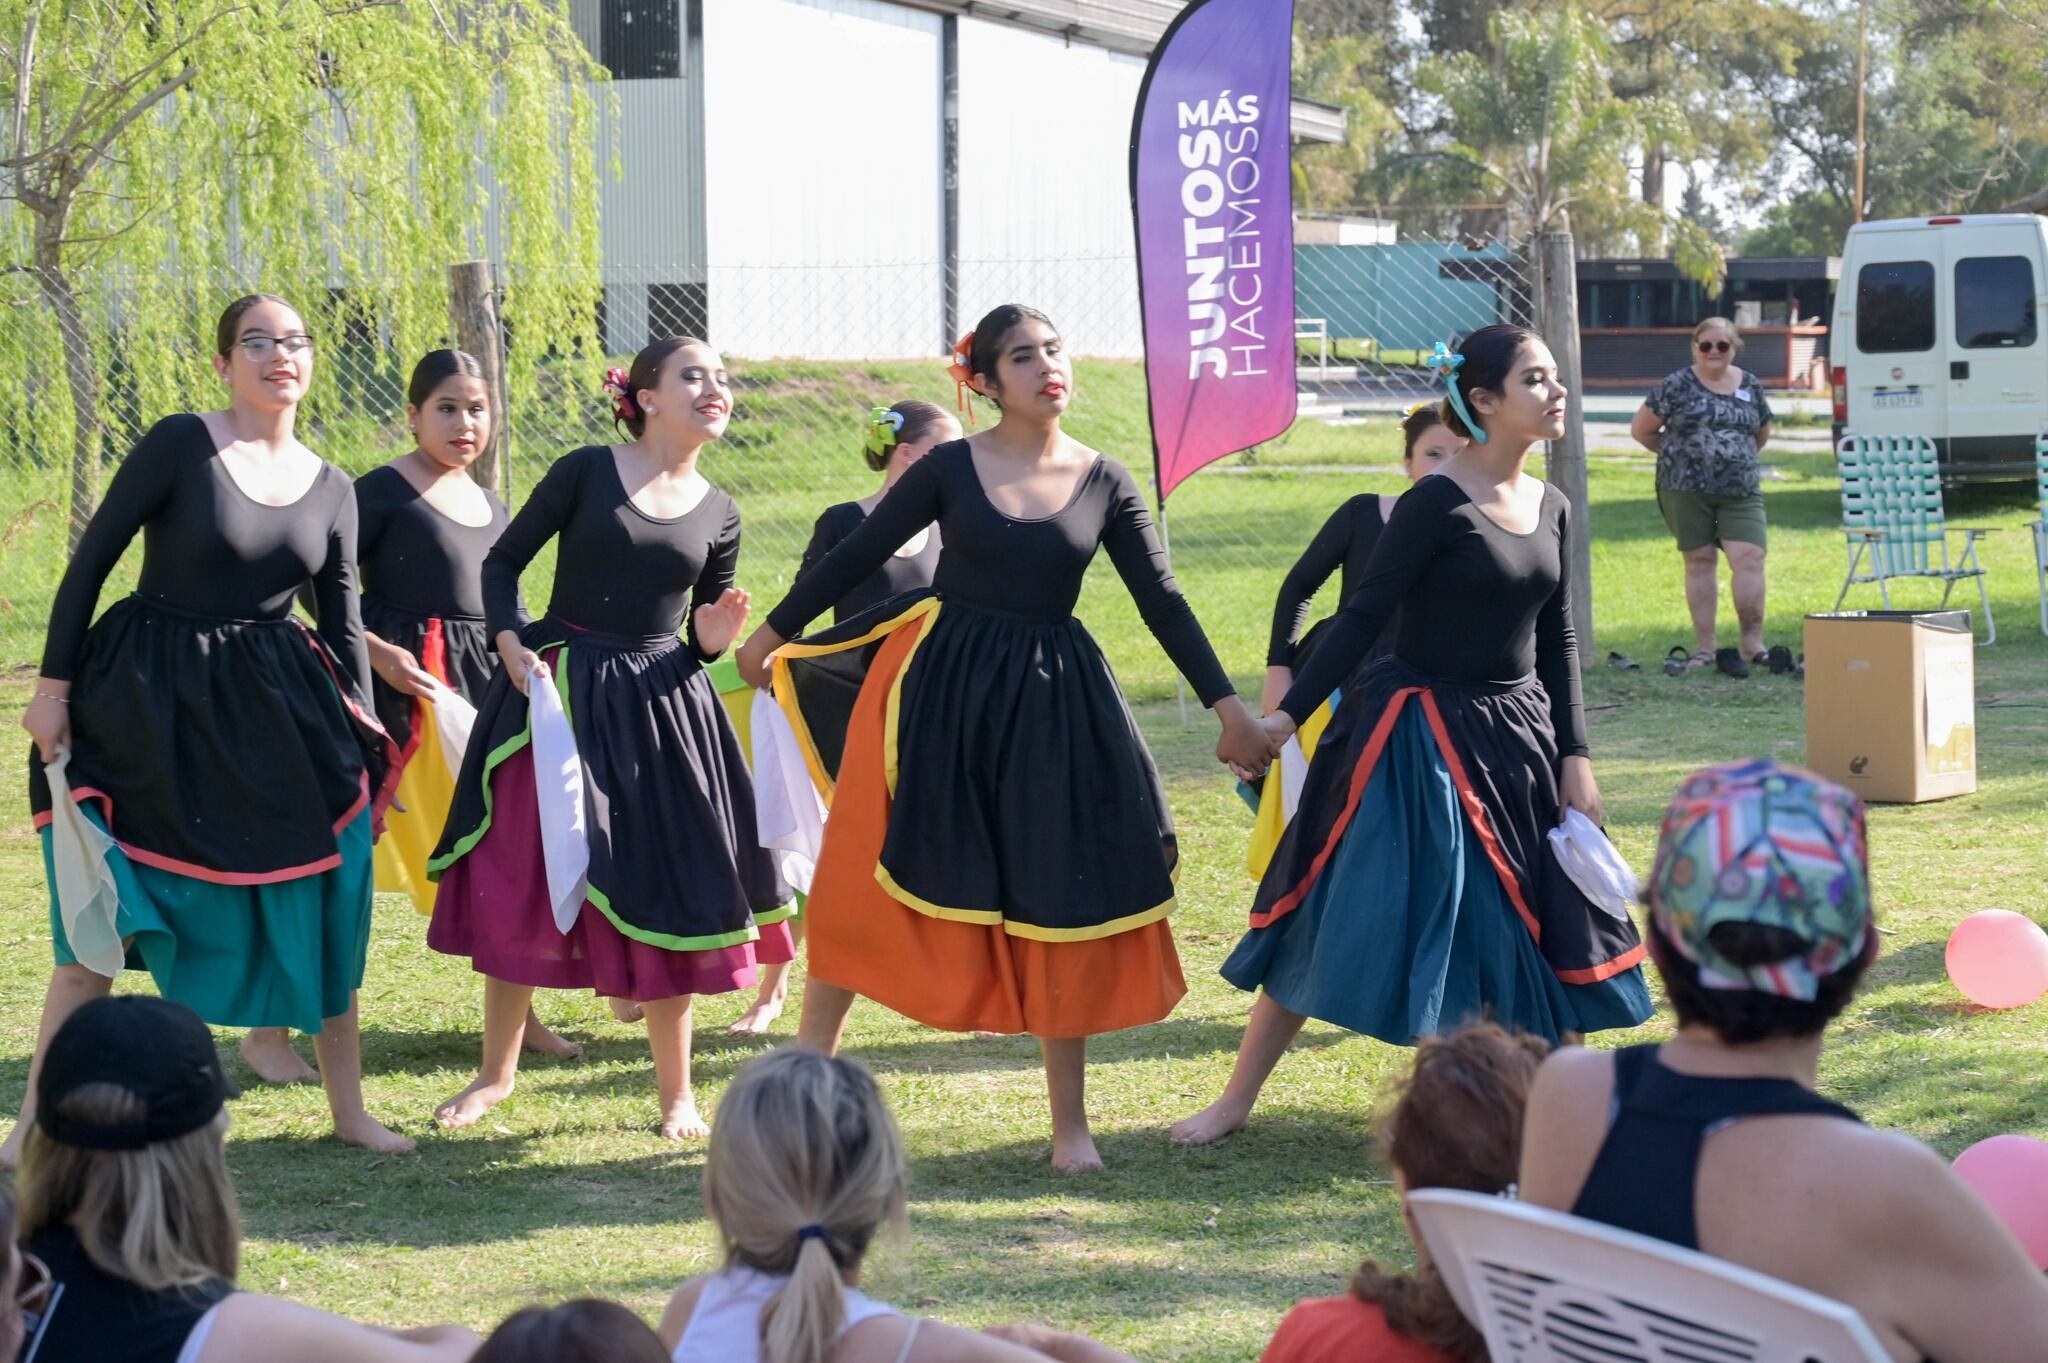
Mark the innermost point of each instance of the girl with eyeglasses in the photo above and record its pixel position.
(1706, 424)
(227, 750)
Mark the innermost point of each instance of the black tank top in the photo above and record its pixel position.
(1645, 1177)
(93, 1315)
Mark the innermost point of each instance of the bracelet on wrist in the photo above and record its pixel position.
(52, 695)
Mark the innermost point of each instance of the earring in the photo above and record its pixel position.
(645, 410)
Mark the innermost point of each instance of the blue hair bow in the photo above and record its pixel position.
(1446, 363)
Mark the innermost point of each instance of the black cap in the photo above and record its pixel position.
(156, 1049)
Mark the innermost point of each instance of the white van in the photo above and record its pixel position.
(1937, 333)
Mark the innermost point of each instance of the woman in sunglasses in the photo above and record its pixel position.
(222, 773)
(1706, 424)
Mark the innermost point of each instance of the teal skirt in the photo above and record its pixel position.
(1407, 932)
(285, 954)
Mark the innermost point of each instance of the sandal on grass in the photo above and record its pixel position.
(1623, 662)
(1778, 659)
(1730, 663)
(1677, 660)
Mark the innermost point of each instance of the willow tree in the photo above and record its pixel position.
(157, 152)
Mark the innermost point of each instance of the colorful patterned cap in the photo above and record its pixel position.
(1754, 842)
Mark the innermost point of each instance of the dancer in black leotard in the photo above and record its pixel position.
(1414, 888)
(682, 899)
(898, 436)
(424, 527)
(1000, 856)
(1344, 545)
(228, 749)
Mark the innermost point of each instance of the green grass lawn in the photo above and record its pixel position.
(1171, 1254)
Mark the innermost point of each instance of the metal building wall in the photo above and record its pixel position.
(821, 154)
(1045, 214)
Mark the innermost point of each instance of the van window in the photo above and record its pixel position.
(1895, 307)
(1994, 302)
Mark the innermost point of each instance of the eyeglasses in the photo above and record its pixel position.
(263, 347)
(1706, 347)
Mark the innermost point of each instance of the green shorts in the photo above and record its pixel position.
(1698, 519)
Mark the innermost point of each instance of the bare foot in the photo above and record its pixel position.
(681, 1122)
(468, 1107)
(756, 1020)
(366, 1131)
(538, 1037)
(10, 1151)
(1075, 1154)
(268, 1051)
(625, 1010)
(1212, 1123)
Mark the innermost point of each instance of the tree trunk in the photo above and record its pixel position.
(1654, 163)
(1565, 468)
(473, 307)
(84, 383)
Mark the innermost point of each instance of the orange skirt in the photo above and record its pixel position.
(959, 977)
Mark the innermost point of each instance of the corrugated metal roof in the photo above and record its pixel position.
(1122, 25)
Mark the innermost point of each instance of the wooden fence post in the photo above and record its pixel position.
(473, 307)
(1566, 465)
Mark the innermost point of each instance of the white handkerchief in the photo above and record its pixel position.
(558, 787)
(454, 717)
(1293, 775)
(789, 816)
(1593, 865)
(87, 899)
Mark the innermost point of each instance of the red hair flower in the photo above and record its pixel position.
(619, 384)
(962, 371)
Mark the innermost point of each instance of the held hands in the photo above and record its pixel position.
(400, 670)
(48, 717)
(521, 662)
(752, 659)
(1278, 681)
(1247, 746)
(1576, 789)
(719, 623)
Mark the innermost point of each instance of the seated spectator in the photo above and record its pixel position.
(1760, 925)
(586, 1331)
(804, 1167)
(125, 1199)
(1457, 1123)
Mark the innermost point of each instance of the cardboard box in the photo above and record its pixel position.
(1891, 703)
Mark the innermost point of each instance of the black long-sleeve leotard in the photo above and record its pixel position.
(415, 557)
(210, 548)
(1031, 567)
(1478, 605)
(1345, 542)
(618, 570)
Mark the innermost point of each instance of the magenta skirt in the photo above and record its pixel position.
(492, 906)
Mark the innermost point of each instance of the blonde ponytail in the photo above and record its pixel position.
(804, 1167)
(800, 1323)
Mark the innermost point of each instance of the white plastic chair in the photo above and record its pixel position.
(1549, 1288)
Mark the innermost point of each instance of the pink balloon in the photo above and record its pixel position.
(1999, 959)
(2011, 1174)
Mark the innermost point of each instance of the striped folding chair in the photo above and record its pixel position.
(1893, 520)
(2039, 525)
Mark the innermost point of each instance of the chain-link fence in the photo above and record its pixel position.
(811, 349)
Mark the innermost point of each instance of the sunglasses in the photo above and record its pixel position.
(1715, 347)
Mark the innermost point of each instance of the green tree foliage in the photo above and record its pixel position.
(154, 146)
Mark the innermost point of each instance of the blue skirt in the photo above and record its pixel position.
(288, 953)
(1406, 928)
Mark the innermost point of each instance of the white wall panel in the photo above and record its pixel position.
(822, 145)
(1045, 215)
